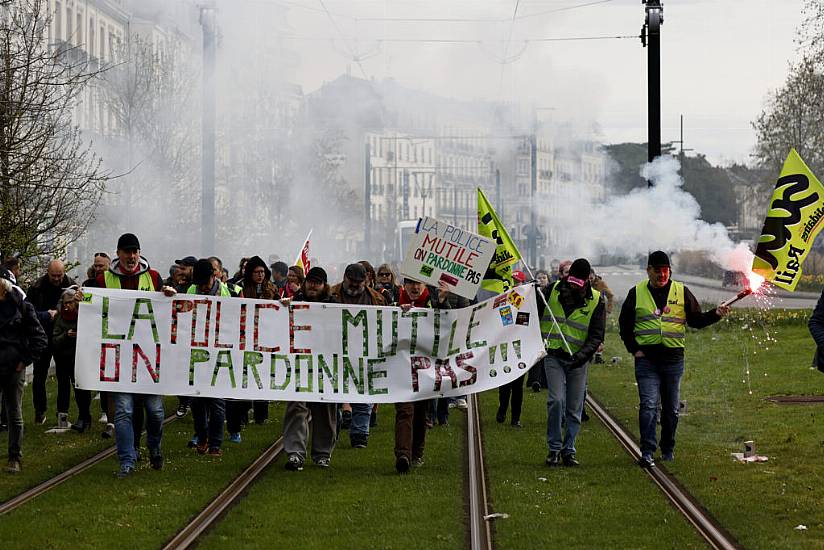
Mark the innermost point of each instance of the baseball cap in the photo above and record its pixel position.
(188, 261)
(317, 274)
(658, 259)
(128, 241)
(355, 272)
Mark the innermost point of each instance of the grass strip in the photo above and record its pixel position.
(47, 454)
(360, 502)
(97, 510)
(606, 502)
(731, 367)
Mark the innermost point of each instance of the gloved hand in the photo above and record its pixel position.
(577, 361)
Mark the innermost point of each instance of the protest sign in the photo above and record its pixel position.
(145, 342)
(440, 251)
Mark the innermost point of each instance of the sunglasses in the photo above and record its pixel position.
(101, 255)
(384, 274)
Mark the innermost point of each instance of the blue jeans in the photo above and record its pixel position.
(360, 419)
(565, 398)
(658, 379)
(208, 415)
(123, 431)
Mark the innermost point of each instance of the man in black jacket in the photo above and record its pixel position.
(44, 295)
(22, 340)
(653, 325)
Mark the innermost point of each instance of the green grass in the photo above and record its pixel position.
(602, 503)
(96, 510)
(731, 368)
(360, 502)
(46, 455)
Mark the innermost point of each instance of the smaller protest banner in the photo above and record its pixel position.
(440, 251)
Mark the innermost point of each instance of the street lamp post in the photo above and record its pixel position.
(651, 38)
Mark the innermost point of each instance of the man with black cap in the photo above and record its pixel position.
(653, 325)
(354, 290)
(323, 415)
(571, 341)
(129, 271)
(185, 267)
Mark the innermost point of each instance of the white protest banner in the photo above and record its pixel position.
(440, 251)
(145, 342)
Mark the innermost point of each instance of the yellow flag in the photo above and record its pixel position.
(793, 221)
(498, 277)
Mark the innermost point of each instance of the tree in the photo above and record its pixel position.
(149, 91)
(50, 179)
(794, 114)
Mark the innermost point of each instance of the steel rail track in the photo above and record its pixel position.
(480, 533)
(712, 532)
(227, 498)
(32, 493)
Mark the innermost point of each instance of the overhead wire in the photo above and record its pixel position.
(356, 58)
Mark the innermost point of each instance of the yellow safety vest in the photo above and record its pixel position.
(145, 281)
(653, 326)
(224, 290)
(575, 327)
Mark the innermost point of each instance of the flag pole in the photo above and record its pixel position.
(538, 290)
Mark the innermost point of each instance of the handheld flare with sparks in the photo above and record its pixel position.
(753, 284)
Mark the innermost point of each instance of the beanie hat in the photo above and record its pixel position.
(202, 272)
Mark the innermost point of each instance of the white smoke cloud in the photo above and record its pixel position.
(661, 217)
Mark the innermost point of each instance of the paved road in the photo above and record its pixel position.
(621, 278)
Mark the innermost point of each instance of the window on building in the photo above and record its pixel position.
(69, 30)
(80, 32)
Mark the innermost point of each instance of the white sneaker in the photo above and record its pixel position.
(104, 418)
(460, 403)
(63, 421)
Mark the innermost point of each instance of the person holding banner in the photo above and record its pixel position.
(354, 290)
(324, 415)
(653, 325)
(131, 272)
(256, 284)
(208, 413)
(410, 418)
(574, 335)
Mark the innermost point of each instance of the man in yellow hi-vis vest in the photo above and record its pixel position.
(653, 325)
(129, 271)
(571, 340)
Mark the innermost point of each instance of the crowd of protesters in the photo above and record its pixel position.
(40, 325)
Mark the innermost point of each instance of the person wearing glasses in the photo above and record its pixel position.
(386, 282)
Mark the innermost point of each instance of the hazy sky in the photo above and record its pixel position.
(720, 58)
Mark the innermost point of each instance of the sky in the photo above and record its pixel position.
(720, 59)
